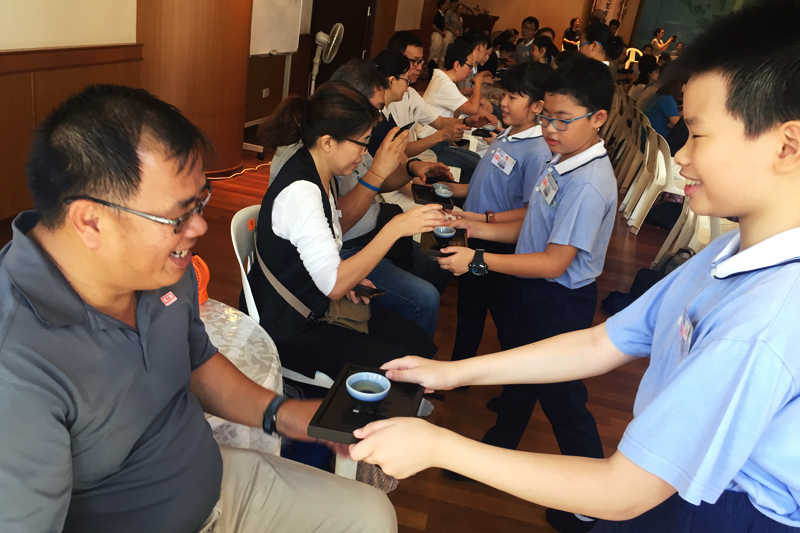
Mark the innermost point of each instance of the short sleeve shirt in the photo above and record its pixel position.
(581, 214)
(523, 52)
(106, 434)
(443, 95)
(491, 189)
(571, 36)
(438, 20)
(659, 110)
(719, 405)
(412, 108)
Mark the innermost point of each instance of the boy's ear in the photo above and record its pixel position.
(599, 118)
(789, 157)
(536, 107)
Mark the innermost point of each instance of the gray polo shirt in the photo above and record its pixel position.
(98, 429)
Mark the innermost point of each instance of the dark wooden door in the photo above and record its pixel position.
(358, 19)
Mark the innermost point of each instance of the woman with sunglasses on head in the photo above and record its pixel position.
(299, 238)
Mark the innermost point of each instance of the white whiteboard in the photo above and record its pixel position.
(275, 28)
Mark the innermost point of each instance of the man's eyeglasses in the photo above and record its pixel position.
(362, 145)
(560, 124)
(417, 62)
(178, 224)
(468, 65)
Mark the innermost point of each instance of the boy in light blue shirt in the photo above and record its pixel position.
(713, 445)
(499, 192)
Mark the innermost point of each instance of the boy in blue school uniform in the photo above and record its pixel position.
(499, 192)
(713, 445)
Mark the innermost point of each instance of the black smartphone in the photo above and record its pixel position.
(404, 128)
(369, 292)
(480, 132)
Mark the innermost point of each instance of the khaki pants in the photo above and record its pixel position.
(264, 493)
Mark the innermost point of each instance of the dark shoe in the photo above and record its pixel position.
(495, 404)
(454, 476)
(565, 522)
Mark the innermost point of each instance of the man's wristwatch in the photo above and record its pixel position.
(478, 265)
(408, 167)
(270, 422)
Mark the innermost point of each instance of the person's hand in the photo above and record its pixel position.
(400, 446)
(482, 119)
(482, 76)
(431, 374)
(469, 215)
(418, 220)
(464, 223)
(492, 136)
(453, 132)
(355, 298)
(430, 169)
(467, 91)
(458, 262)
(293, 419)
(391, 154)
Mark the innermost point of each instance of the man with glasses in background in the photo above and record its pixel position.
(105, 366)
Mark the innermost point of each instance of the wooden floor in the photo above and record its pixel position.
(428, 502)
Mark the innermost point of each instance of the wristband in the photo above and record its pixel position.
(490, 217)
(408, 167)
(270, 421)
(465, 121)
(368, 186)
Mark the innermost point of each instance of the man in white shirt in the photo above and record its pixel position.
(413, 108)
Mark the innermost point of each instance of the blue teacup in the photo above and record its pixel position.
(444, 235)
(439, 185)
(443, 193)
(368, 386)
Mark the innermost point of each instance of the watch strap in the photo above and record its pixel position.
(408, 167)
(270, 421)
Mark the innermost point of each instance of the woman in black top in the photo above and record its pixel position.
(572, 36)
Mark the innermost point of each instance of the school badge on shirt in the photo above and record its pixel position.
(169, 299)
(685, 330)
(503, 161)
(549, 188)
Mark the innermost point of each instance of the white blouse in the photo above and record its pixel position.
(299, 217)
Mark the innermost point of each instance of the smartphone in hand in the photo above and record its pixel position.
(404, 128)
(367, 292)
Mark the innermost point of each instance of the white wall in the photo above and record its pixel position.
(54, 23)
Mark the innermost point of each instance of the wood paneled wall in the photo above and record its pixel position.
(195, 58)
(32, 83)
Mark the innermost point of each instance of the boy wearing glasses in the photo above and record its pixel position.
(560, 250)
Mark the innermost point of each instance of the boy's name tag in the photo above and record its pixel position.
(503, 161)
(685, 330)
(548, 188)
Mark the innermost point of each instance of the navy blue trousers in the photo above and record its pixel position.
(732, 513)
(534, 310)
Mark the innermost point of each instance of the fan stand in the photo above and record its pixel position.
(322, 40)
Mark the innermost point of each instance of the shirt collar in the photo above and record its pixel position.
(530, 133)
(529, 43)
(777, 250)
(595, 151)
(38, 278)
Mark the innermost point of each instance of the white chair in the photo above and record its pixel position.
(646, 174)
(632, 57)
(244, 246)
(666, 180)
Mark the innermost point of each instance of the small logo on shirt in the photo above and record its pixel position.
(169, 299)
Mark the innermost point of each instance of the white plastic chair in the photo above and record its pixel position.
(666, 180)
(646, 174)
(632, 57)
(244, 246)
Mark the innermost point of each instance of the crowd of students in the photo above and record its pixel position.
(712, 443)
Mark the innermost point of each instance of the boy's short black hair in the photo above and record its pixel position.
(528, 79)
(506, 46)
(546, 29)
(402, 40)
(648, 45)
(459, 50)
(586, 80)
(531, 20)
(762, 71)
(475, 38)
(613, 22)
(561, 57)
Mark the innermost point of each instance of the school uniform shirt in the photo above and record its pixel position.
(581, 214)
(523, 52)
(444, 97)
(523, 157)
(719, 406)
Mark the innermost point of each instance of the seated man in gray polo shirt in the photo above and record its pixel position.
(105, 366)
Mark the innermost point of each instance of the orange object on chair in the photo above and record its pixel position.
(203, 275)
